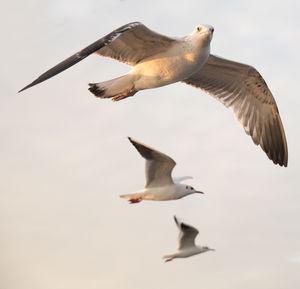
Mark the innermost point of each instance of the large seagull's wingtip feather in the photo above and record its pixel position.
(134, 142)
(29, 85)
(70, 61)
(21, 89)
(35, 82)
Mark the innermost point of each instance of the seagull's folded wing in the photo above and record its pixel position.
(181, 179)
(243, 89)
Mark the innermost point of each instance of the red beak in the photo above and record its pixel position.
(199, 192)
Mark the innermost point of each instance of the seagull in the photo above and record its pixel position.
(186, 242)
(159, 60)
(159, 183)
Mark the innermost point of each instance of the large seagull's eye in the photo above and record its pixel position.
(198, 28)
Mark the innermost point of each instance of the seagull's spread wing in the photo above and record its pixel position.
(158, 165)
(136, 44)
(243, 89)
(129, 43)
(187, 235)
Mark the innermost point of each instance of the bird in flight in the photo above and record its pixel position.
(186, 242)
(159, 183)
(159, 60)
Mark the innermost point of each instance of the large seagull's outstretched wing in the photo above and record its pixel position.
(129, 43)
(243, 89)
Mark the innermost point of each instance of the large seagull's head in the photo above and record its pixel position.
(203, 32)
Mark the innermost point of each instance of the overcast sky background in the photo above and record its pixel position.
(65, 157)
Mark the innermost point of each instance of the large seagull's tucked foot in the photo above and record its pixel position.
(186, 242)
(159, 60)
(159, 183)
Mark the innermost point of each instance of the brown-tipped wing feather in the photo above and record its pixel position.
(243, 89)
(187, 235)
(158, 168)
(129, 43)
(80, 55)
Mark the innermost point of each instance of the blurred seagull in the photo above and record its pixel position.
(159, 183)
(186, 242)
(159, 60)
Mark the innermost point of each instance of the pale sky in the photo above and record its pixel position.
(65, 157)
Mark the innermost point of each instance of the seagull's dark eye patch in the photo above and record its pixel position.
(192, 188)
(198, 28)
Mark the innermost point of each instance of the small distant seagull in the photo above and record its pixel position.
(159, 183)
(159, 60)
(186, 242)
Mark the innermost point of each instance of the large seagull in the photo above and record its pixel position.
(159, 60)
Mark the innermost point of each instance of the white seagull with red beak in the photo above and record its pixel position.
(186, 242)
(159, 183)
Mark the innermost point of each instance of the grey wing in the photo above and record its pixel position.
(158, 168)
(187, 235)
(129, 48)
(243, 89)
(136, 45)
(181, 179)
